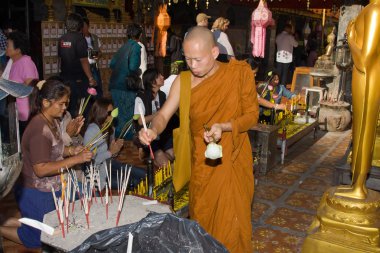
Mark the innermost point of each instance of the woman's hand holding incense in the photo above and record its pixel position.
(84, 156)
(77, 149)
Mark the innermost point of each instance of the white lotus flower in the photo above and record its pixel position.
(213, 151)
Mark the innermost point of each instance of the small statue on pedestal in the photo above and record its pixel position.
(325, 61)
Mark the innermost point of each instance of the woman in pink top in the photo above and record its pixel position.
(23, 70)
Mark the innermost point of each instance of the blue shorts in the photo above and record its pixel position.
(33, 204)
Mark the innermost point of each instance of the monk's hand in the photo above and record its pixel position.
(146, 137)
(214, 134)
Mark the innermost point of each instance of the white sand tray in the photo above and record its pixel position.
(134, 209)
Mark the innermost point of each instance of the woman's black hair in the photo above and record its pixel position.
(74, 22)
(149, 77)
(134, 31)
(98, 114)
(20, 41)
(50, 90)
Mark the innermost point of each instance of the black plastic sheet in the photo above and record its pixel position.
(156, 233)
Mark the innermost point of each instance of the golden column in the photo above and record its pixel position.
(348, 218)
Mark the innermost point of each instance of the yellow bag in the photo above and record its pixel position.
(181, 136)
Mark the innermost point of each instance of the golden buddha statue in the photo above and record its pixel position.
(363, 39)
(325, 61)
(330, 46)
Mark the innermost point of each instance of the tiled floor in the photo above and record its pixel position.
(286, 198)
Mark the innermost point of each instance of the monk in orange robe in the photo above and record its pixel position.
(224, 97)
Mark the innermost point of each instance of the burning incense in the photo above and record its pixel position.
(109, 179)
(60, 208)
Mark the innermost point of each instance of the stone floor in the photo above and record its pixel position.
(286, 199)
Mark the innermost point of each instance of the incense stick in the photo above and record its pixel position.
(121, 200)
(107, 203)
(125, 128)
(145, 128)
(60, 206)
(81, 105)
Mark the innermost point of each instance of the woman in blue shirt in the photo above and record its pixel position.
(273, 92)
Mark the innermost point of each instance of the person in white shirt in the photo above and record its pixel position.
(285, 42)
(225, 49)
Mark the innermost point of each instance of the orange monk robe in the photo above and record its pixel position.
(221, 193)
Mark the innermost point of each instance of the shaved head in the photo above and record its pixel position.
(201, 34)
(200, 51)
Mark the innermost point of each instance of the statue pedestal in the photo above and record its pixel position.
(345, 225)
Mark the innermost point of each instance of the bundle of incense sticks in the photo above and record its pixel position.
(106, 125)
(145, 128)
(66, 202)
(123, 190)
(95, 140)
(81, 106)
(126, 128)
(75, 186)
